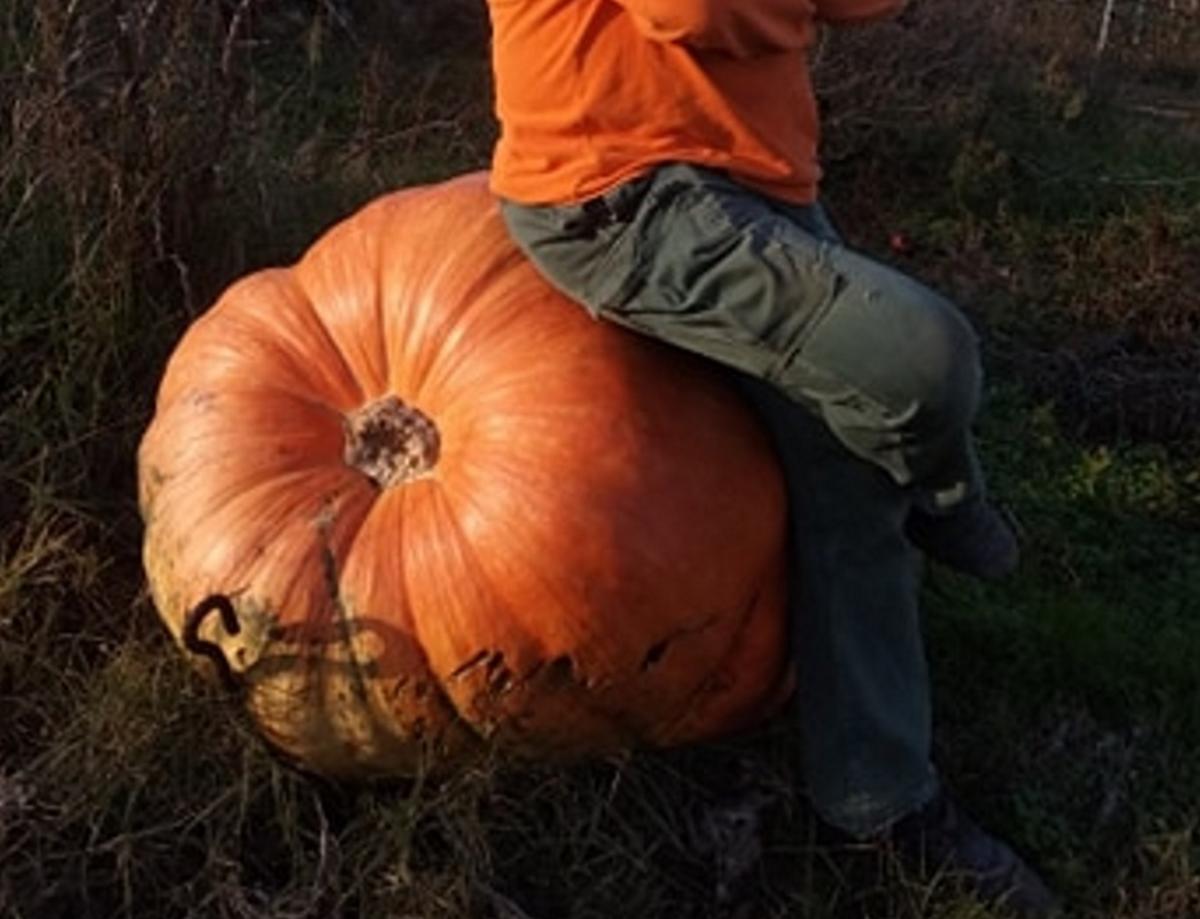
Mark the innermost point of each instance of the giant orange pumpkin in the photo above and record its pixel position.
(414, 503)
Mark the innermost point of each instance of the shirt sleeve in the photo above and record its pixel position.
(743, 28)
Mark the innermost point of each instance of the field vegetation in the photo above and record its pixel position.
(152, 151)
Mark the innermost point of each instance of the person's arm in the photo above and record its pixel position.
(847, 12)
(743, 28)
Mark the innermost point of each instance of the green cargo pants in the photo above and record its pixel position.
(868, 381)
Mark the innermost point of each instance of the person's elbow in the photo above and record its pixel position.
(681, 21)
(724, 27)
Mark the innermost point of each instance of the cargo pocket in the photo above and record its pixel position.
(722, 274)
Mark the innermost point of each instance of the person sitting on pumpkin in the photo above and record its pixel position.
(658, 162)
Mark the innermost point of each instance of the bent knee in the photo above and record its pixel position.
(899, 355)
(943, 376)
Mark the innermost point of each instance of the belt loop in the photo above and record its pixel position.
(597, 211)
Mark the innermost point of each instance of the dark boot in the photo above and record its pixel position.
(975, 539)
(941, 838)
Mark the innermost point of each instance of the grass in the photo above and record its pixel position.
(1068, 700)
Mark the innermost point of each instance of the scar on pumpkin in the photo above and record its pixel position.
(498, 677)
(655, 653)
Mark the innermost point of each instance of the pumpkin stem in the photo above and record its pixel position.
(391, 443)
(210, 649)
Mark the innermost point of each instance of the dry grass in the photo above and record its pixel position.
(1052, 191)
(105, 124)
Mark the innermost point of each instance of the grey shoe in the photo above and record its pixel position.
(975, 539)
(941, 838)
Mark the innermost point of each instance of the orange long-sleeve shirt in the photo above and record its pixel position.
(590, 93)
